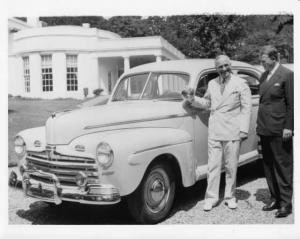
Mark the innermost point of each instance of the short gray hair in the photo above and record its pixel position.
(222, 56)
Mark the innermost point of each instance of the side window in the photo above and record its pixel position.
(174, 83)
(165, 85)
(203, 83)
(131, 87)
(252, 80)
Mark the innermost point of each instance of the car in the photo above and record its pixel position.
(140, 146)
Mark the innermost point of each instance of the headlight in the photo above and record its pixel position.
(20, 146)
(104, 155)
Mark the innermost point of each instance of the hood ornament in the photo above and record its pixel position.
(53, 115)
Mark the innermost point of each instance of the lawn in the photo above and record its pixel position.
(29, 113)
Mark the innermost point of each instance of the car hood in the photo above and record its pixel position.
(63, 127)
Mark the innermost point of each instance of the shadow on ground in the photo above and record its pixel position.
(262, 195)
(77, 214)
(189, 197)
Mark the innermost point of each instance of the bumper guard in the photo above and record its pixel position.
(50, 190)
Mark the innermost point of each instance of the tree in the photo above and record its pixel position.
(264, 30)
(202, 36)
(95, 21)
(127, 26)
(282, 21)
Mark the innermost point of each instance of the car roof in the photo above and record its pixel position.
(191, 66)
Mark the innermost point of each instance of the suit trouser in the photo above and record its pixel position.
(217, 150)
(278, 167)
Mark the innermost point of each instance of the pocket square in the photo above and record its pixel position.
(276, 84)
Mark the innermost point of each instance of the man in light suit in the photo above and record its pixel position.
(229, 99)
(275, 125)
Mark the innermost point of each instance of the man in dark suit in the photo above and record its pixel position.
(275, 125)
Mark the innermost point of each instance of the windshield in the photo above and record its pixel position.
(149, 86)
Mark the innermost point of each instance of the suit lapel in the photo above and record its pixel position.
(265, 86)
(263, 83)
(227, 91)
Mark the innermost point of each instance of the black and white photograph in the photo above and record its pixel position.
(139, 119)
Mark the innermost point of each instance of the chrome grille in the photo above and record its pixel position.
(63, 166)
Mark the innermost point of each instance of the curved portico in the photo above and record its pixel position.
(66, 61)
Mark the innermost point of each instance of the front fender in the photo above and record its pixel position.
(32, 135)
(135, 149)
(34, 139)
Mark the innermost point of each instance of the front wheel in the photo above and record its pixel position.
(152, 200)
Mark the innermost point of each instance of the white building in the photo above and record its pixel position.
(64, 61)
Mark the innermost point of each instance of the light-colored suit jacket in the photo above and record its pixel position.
(230, 112)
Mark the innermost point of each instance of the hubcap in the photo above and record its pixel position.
(157, 191)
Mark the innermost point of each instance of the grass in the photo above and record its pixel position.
(29, 113)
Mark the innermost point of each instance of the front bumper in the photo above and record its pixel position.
(50, 190)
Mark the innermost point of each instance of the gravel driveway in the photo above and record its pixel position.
(252, 193)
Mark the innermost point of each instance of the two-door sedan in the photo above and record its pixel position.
(139, 146)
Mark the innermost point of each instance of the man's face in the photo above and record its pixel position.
(267, 62)
(223, 67)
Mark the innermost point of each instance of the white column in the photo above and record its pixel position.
(158, 58)
(94, 75)
(59, 75)
(35, 75)
(126, 63)
(88, 74)
(101, 74)
(16, 82)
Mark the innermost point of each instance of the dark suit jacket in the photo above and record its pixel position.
(276, 104)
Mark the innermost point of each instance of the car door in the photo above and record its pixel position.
(249, 146)
(200, 121)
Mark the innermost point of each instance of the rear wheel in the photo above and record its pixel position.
(153, 199)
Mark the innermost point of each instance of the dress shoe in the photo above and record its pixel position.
(270, 207)
(231, 203)
(208, 205)
(283, 211)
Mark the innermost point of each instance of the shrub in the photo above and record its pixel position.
(97, 92)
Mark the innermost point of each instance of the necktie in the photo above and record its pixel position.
(222, 86)
(267, 74)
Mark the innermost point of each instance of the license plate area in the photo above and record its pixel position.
(46, 188)
(41, 191)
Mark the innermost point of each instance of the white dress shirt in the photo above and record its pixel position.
(272, 71)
